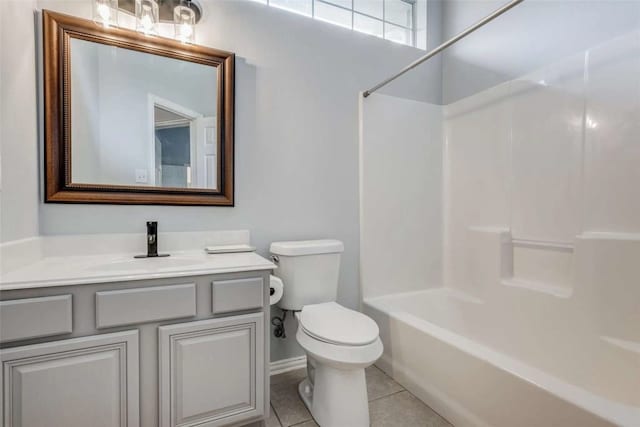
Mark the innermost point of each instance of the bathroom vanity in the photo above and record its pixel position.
(109, 340)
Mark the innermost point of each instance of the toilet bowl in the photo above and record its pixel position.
(339, 343)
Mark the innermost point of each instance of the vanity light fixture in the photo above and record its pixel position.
(184, 20)
(183, 14)
(105, 12)
(147, 16)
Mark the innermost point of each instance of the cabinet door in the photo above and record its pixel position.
(88, 381)
(212, 371)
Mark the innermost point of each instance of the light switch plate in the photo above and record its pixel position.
(141, 176)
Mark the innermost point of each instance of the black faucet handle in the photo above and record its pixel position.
(152, 238)
(152, 241)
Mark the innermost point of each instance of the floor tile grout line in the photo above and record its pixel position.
(292, 425)
(423, 402)
(389, 395)
(373, 400)
(302, 422)
(404, 389)
(275, 413)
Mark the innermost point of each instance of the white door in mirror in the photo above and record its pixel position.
(206, 169)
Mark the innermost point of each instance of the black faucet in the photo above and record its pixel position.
(152, 241)
(152, 238)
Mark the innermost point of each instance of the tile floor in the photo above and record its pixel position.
(390, 405)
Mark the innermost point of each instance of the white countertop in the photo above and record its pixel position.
(87, 269)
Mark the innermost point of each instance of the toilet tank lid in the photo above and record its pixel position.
(307, 247)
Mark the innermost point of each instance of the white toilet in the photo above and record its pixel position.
(340, 343)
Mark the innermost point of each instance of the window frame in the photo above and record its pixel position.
(383, 20)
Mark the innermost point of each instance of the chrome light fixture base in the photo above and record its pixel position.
(165, 8)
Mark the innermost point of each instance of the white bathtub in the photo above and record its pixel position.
(513, 365)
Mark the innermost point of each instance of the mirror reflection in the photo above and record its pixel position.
(140, 119)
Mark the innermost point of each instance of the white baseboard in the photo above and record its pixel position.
(286, 365)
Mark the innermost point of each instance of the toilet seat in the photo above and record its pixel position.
(338, 336)
(334, 324)
(339, 356)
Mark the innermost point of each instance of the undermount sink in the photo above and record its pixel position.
(136, 264)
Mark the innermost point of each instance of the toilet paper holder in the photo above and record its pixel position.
(276, 288)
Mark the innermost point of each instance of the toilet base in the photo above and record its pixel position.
(305, 390)
(338, 397)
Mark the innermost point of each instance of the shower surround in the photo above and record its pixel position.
(500, 244)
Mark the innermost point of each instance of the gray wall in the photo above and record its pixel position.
(18, 122)
(297, 85)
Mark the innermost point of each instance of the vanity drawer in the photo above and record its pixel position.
(141, 305)
(35, 317)
(237, 294)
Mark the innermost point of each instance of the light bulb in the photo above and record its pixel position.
(186, 30)
(147, 23)
(184, 19)
(105, 12)
(147, 16)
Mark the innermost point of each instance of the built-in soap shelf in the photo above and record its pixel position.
(542, 266)
(556, 291)
(551, 267)
(627, 345)
(544, 244)
(610, 236)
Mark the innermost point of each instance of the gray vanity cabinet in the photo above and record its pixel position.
(164, 352)
(88, 381)
(212, 371)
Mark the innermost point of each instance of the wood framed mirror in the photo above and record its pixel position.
(135, 119)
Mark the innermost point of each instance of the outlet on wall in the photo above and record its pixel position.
(141, 176)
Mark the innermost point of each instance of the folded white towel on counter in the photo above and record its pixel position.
(225, 249)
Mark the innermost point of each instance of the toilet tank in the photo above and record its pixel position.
(309, 270)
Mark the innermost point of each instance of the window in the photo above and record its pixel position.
(389, 19)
